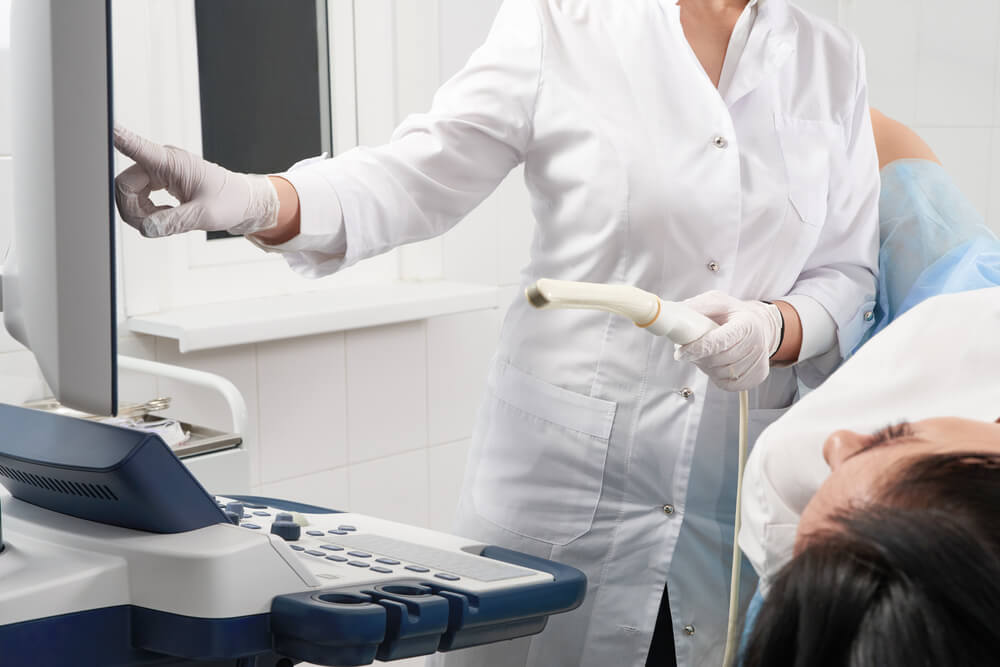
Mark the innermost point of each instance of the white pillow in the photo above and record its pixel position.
(940, 359)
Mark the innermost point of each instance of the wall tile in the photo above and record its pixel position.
(326, 489)
(387, 395)
(459, 350)
(205, 407)
(891, 54)
(446, 464)
(957, 63)
(303, 406)
(966, 153)
(394, 488)
(20, 379)
(5, 110)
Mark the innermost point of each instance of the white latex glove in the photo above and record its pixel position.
(211, 198)
(737, 354)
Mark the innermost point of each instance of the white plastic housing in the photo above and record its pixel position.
(58, 281)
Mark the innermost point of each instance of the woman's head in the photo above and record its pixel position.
(861, 466)
(907, 571)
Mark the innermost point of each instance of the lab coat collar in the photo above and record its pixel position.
(771, 43)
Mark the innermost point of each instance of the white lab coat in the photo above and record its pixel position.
(928, 363)
(594, 447)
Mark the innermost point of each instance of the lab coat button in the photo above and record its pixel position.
(869, 316)
(668, 510)
(721, 143)
(689, 630)
(686, 393)
(713, 266)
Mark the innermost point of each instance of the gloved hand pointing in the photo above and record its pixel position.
(737, 354)
(211, 198)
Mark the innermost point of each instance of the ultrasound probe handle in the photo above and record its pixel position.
(680, 324)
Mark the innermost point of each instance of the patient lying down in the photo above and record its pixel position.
(880, 545)
(897, 560)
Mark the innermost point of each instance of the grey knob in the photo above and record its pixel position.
(286, 530)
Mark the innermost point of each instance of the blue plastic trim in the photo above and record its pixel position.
(133, 636)
(200, 638)
(322, 631)
(101, 473)
(284, 505)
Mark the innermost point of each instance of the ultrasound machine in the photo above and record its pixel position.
(111, 552)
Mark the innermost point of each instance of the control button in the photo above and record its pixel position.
(350, 528)
(233, 517)
(331, 547)
(359, 554)
(869, 316)
(337, 559)
(296, 547)
(357, 563)
(689, 630)
(315, 533)
(416, 568)
(284, 516)
(251, 526)
(447, 577)
(315, 552)
(686, 393)
(286, 530)
(381, 570)
(236, 508)
(262, 514)
(387, 561)
(668, 510)
(720, 142)
(337, 532)
(713, 266)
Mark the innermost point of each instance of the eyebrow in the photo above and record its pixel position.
(890, 435)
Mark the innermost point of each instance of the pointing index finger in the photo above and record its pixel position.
(138, 148)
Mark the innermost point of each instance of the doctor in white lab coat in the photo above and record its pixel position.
(710, 145)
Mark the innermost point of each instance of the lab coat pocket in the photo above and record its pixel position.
(806, 148)
(541, 465)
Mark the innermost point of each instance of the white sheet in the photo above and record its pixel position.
(940, 359)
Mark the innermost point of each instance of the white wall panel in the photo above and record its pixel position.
(892, 54)
(5, 110)
(394, 488)
(967, 155)
(957, 67)
(303, 406)
(20, 379)
(328, 488)
(386, 390)
(459, 350)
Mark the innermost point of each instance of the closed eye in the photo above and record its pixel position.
(887, 436)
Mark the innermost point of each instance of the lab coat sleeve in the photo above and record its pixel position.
(841, 273)
(438, 165)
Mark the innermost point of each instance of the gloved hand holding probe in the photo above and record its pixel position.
(737, 354)
(210, 197)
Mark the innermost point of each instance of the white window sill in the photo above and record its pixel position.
(247, 321)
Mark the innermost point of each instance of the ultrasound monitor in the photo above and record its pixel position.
(58, 280)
